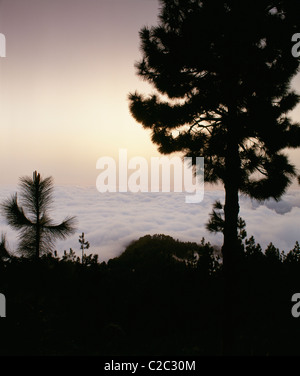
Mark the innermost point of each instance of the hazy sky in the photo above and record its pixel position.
(64, 86)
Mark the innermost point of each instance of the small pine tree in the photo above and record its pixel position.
(294, 254)
(273, 253)
(83, 245)
(36, 229)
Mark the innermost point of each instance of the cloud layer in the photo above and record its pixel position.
(111, 221)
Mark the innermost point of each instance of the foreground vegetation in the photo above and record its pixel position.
(159, 297)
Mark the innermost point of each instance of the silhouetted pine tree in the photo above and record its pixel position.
(83, 245)
(37, 230)
(222, 71)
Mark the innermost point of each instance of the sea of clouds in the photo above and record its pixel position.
(110, 221)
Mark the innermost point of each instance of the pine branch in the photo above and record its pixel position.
(15, 215)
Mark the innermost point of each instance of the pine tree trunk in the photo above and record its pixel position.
(37, 241)
(36, 182)
(230, 246)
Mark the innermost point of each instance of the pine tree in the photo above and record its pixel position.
(222, 72)
(83, 245)
(36, 230)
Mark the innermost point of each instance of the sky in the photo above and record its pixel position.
(64, 83)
